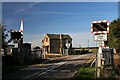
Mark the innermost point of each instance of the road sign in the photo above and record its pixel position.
(100, 37)
(100, 43)
(100, 27)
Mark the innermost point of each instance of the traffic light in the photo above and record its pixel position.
(16, 35)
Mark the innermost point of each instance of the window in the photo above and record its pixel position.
(46, 39)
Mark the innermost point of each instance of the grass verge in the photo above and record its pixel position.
(86, 72)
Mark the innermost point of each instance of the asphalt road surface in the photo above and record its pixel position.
(56, 68)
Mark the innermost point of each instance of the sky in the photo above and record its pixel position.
(73, 18)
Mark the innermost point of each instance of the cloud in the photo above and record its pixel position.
(32, 4)
(19, 11)
(26, 9)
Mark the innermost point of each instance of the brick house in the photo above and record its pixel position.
(56, 43)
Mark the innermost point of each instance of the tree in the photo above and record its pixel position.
(4, 38)
(114, 35)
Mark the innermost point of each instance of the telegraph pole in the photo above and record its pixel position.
(68, 46)
(60, 43)
(88, 45)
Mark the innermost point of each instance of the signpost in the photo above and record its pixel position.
(100, 43)
(100, 30)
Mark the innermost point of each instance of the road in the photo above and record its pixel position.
(62, 67)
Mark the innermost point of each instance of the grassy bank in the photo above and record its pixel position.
(85, 73)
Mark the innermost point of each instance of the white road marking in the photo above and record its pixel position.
(65, 71)
(53, 67)
(49, 69)
(34, 68)
(78, 57)
(52, 70)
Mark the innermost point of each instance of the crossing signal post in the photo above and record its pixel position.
(17, 37)
(100, 29)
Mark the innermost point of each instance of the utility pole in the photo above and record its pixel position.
(68, 46)
(60, 43)
(88, 45)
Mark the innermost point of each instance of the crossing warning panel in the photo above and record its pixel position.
(100, 27)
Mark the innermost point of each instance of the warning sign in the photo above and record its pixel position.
(101, 37)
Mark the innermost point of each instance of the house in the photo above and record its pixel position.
(56, 43)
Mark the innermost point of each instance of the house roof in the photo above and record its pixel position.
(37, 47)
(57, 36)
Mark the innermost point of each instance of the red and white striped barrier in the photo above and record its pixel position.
(16, 31)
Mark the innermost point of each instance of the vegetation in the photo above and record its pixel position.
(5, 35)
(86, 72)
(114, 35)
